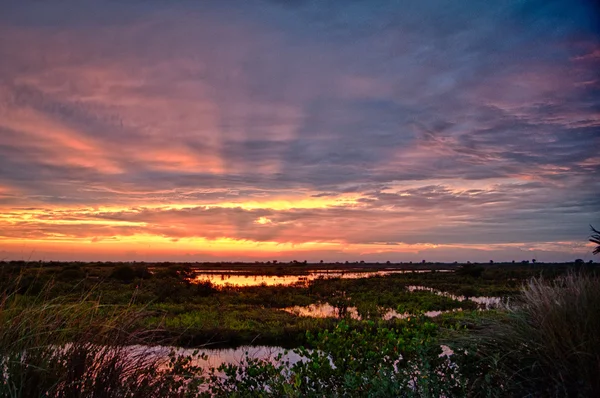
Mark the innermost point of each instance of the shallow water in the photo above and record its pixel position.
(217, 357)
(484, 302)
(234, 278)
(326, 310)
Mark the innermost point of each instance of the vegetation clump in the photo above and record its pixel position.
(124, 273)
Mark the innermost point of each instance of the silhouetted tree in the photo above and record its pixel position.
(595, 238)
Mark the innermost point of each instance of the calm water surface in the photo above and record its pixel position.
(484, 302)
(235, 278)
(326, 310)
(217, 357)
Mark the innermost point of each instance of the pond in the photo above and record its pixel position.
(236, 278)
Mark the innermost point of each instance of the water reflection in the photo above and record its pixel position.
(235, 278)
(484, 302)
(207, 358)
(326, 310)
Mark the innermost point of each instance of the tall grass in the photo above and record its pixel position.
(561, 326)
(550, 343)
(54, 347)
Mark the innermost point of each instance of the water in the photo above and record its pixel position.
(326, 310)
(484, 302)
(235, 278)
(217, 357)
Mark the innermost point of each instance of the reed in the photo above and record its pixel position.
(53, 347)
(550, 341)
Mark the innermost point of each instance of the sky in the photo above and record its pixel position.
(435, 130)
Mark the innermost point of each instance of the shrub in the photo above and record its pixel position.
(205, 288)
(560, 323)
(142, 272)
(124, 273)
(472, 270)
(71, 273)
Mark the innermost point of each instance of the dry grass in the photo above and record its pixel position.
(550, 343)
(560, 324)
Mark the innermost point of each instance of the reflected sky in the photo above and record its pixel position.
(234, 279)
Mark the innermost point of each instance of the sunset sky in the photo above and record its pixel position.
(373, 130)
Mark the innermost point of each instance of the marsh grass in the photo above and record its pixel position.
(54, 347)
(550, 342)
(561, 325)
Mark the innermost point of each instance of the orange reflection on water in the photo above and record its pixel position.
(233, 279)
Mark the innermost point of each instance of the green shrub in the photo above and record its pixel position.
(204, 289)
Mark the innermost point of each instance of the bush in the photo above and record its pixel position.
(123, 273)
(142, 272)
(205, 288)
(560, 323)
(71, 273)
(472, 270)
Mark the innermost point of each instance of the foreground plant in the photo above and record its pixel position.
(550, 343)
(50, 347)
(372, 361)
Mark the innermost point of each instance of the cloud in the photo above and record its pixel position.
(427, 123)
